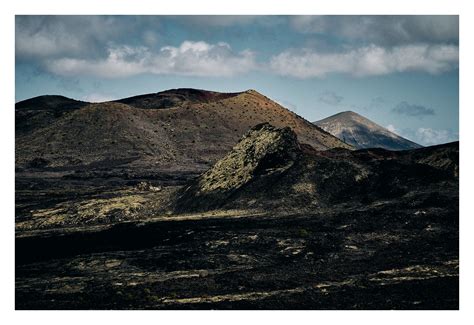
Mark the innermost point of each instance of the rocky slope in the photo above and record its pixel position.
(269, 169)
(182, 129)
(361, 132)
(263, 152)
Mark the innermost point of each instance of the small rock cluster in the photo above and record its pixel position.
(145, 186)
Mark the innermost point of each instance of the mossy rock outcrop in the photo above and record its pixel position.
(264, 152)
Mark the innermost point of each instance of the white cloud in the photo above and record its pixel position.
(391, 128)
(98, 98)
(366, 61)
(189, 59)
(428, 136)
(121, 62)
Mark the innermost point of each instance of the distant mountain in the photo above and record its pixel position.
(361, 132)
(179, 129)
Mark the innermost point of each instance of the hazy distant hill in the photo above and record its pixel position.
(361, 132)
(174, 129)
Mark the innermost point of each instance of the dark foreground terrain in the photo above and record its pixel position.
(375, 258)
(272, 225)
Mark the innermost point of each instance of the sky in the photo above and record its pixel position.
(402, 72)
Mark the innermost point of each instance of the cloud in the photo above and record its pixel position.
(122, 46)
(407, 133)
(188, 59)
(391, 128)
(98, 98)
(330, 98)
(49, 36)
(366, 61)
(150, 38)
(78, 36)
(405, 108)
(382, 30)
(428, 136)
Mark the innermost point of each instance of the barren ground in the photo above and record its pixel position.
(378, 256)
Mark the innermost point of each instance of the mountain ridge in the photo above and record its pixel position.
(175, 129)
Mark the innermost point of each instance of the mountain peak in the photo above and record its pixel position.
(252, 91)
(350, 113)
(361, 132)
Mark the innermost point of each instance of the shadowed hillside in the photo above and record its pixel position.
(39, 112)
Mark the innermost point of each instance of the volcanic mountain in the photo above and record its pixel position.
(179, 129)
(361, 132)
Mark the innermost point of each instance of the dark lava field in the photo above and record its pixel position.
(339, 260)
